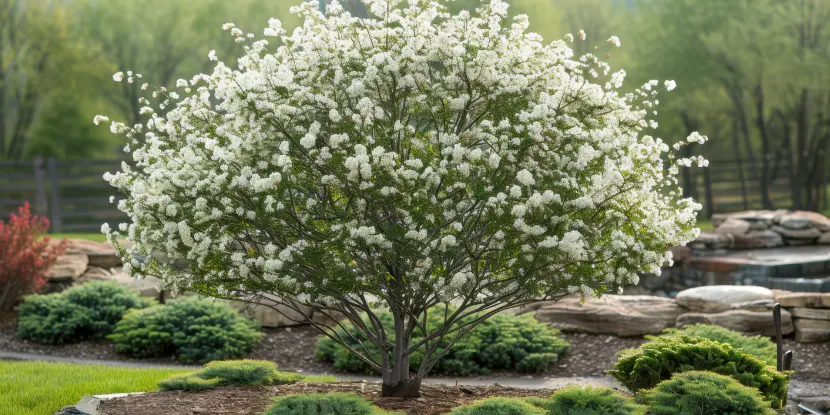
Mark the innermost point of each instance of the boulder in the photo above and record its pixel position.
(797, 219)
(147, 286)
(633, 315)
(712, 240)
(733, 226)
(757, 305)
(758, 239)
(809, 300)
(745, 321)
(67, 268)
(814, 313)
(799, 234)
(266, 316)
(100, 254)
(717, 298)
(812, 335)
(824, 238)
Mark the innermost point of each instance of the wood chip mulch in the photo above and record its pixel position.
(434, 400)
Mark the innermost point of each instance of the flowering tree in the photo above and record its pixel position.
(407, 160)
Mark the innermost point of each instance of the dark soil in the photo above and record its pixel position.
(435, 399)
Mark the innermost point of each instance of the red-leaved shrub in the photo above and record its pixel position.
(24, 256)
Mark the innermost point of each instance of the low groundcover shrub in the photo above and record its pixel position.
(705, 393)
(231, 373)
(499, 406)
(89, 310)
(656, 361)
(588, 400)
(196, 330)
(324, 404)
(759, 346)
(501, 342)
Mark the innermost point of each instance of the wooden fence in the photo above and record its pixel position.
(72, 194)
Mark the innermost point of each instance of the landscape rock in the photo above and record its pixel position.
(745, 321)
(67, 268)
(795, 221)
(733, 226)
(809, 323)
(800, 234)
(814, 313)
(813, 219)
(824, 238)
(809, 300)
(813, 394)
(758, 239)
(812, 335)
(279, 316)
(713, 240)
(679, 253)
(623, 316)
(717, 298)
(757, 305)
(100, 254)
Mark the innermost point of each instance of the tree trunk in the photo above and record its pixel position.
(409, 388)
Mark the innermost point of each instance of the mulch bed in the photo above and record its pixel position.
(293, 349)
(435, 399)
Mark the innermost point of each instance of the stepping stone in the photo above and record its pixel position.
(717, 298)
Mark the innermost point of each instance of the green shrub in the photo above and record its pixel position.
(589, 400)
(499, 406)
(323, 404)
(500, 342)
(759, 346)
(196, 330)
(189, 383)
(658, 360)
(231, 373)
(84, 311)
(705, 393)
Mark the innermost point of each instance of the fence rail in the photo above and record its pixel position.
(72, 194)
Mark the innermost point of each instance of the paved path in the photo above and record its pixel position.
(518, 382)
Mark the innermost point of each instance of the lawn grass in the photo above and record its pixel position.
(705, 225)
(37, 388)
(97, 237)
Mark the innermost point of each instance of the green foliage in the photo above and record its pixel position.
(500, 342)
(705, 393)
(499, 406)
(196, 330)
(658, 360)
(323, 404)
(759, 346)
(84, 311)
(578, 400)
(231, 373)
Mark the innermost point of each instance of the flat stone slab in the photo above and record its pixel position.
(813, 394)
(814, 313)
(809, 300)
(631, 315)
(717, 298)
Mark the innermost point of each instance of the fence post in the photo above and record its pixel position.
(707, 188)
(40, 190)
(57, 226)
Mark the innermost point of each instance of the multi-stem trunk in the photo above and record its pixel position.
(397, 381)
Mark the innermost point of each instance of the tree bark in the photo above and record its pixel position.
(410, 388)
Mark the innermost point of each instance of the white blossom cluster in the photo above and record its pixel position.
(413, 155)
